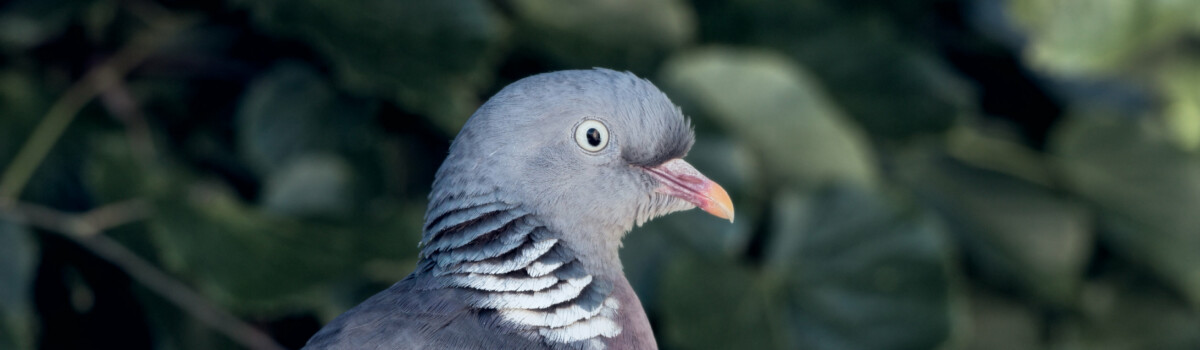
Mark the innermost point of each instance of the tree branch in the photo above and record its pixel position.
(60, 115)
(85, 230)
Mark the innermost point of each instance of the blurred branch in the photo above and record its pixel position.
(60, 115)
(121, 104)
(84, 225)
(84, 229)
(995, 154)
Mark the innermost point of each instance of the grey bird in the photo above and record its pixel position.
(519, 248)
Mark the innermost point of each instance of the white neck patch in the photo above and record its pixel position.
(533, 283)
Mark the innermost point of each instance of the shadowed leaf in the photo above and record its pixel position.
(624, 34)
(242, 255)
(718, 305)
(1122, 312)
(27, 23)
(1017, 233)
(775, 106)
(18, 262)
(998, 323)
(1147, 191)
(319, 185)
(291, 111)
(860, 274)
(429, 56)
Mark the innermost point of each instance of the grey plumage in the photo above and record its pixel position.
(519, 249)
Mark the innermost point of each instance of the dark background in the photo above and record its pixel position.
(922, 174)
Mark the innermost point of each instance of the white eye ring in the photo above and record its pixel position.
(591, 135)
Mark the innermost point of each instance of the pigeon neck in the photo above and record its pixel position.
(598, 258)
(526, 274)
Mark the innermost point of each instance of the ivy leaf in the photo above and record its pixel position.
(859, 272)
(718, 305)
(1147, 191)
(775, 106)
(18, 262)
(1015, 232)
(429, 56)
(1082, 37)
(622, 34)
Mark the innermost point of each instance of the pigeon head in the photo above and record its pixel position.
(592, 152)
(521, 236)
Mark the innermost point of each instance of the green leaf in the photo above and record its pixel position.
(175, 329)
(1017, 232)
(882, 76)
(999, 323)
(718, 305)
(1147, 191)
(1180, 83)
(1080, 37)
(111, 172)
(775, 106)
(430, 56)
(291, 111)
(844, 270)
(23, 100)
(860, 273)
(255, 259)
(318, 185)
(1122, 312)
(645, 254)
(625, 34)
(18, 263)
(25, 24)
(892, 89)
(242, 256)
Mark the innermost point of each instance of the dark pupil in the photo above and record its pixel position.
(593, 136)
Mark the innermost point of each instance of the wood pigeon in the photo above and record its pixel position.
(519, 248)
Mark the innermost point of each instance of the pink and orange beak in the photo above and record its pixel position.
(679, 179)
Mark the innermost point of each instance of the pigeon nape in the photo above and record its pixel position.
(520, 242)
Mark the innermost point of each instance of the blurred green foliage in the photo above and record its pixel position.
(929, 174)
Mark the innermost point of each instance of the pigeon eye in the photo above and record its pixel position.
(592, 135)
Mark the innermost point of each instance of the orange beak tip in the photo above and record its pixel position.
(719, 204)
(681, 180)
